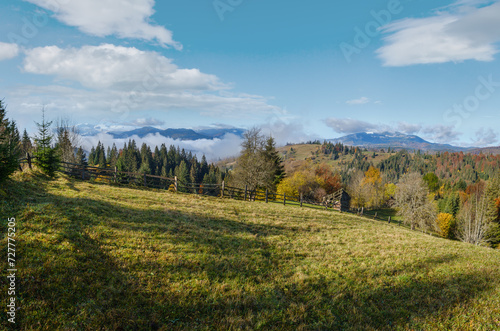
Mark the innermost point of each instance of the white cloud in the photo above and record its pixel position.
(287, 132)
(96, 105)
(147, 122)
(229, 145)
(442, 134)
(408, 128)
(485, 137)
(348, 125)
(116, 67)
(8, 51)
(359, 101)
(467, 33)
(122, 18)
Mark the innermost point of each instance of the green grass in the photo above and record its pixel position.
(384, 213)
(94, 256)
(308, 151)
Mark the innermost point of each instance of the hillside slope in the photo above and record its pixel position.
(312, 152)
(93, 256)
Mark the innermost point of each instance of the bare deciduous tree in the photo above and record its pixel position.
(473, 222)
(413, 203)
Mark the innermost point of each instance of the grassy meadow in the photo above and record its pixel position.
(308, 151)
(93, 256)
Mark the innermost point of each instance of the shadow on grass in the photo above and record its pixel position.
(227, 275)
(71, 277)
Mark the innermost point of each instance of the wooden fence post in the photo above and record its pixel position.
(389, 221)
(222, 189)
(114, 175)
(301, 199)
(362, 209)
(375, 215)
(284, 199)
(267, 195)
(175, 183)
(246, 188)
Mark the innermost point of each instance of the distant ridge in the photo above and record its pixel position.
(394, 140)
(486, 150)
(180, 134)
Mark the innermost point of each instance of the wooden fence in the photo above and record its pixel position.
(108, 175)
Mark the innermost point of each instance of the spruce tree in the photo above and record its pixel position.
(273, 156)
(182, 173)
(9, 145)
(92, 156)
(46, 156)
(193, 173)
(26, 145)
(113, 156)
(80, 157)
(102, 158)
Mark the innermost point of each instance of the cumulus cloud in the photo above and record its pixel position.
(122, 18)
(485, 137)
(8, 51)
(229, 145)
(287, 132)
(124, 106)
(348, 125)
(120, 81)
(443, 134)
(360, 101)
(408, 128)
(117, 67)
(463, 32)
(147, 122)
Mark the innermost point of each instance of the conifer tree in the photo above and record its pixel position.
(273, 156)
(193, 173)
(182, 173)
(9, 145)
(92, 156)
(113, 156)
(46, 156)
(80, 157)
(26, 145)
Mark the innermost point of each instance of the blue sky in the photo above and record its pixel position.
(300, 70)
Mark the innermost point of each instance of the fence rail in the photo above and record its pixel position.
(86, 172)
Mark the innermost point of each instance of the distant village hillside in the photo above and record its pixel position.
(454, 168)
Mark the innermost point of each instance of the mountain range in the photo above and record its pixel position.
(180, 134)
(377, 140)
(394, 140)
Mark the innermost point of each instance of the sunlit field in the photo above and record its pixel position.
(93, 256)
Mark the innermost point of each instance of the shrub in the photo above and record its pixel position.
(445, 223)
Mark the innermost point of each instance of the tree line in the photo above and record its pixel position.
(162, 161)
(50, 148)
